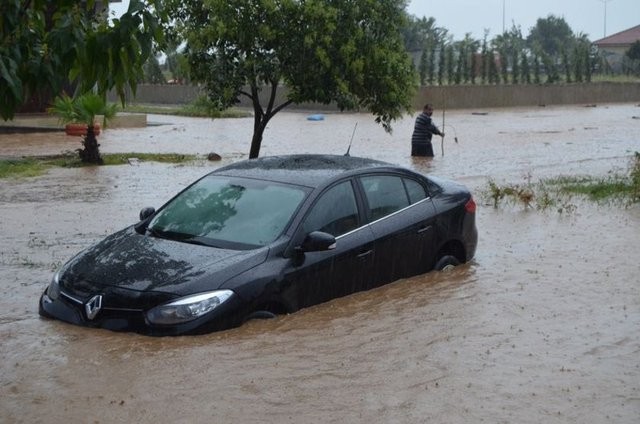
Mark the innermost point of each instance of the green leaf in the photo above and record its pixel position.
(8, 73)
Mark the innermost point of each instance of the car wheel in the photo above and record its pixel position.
(447, 263)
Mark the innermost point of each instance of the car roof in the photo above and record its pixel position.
(310, 170)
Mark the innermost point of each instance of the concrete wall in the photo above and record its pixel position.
(452, 97)
(164, 94)
(45, 122)
(466, 97)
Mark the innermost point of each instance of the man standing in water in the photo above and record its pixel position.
(422, 133)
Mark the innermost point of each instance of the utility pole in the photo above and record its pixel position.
(503, 10)
(605, 16)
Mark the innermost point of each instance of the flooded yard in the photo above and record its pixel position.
(542, 326)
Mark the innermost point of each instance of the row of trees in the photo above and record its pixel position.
(550, 53)
(504, 60)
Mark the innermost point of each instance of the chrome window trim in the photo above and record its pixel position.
(383, 218)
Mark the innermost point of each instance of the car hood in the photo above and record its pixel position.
(139, 262)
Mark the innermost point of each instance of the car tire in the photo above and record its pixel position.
(447, 263)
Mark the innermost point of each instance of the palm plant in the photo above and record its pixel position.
(83, 110)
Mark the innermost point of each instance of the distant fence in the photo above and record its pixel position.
(452, 97)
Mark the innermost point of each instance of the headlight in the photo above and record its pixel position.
(188, 308)
(53, 291)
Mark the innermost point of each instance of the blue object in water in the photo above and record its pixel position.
(317, 117)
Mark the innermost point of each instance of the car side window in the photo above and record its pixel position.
(433, 188)
(336, 212)
(385, 194)
(415, 190)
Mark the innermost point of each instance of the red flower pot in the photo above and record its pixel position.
(80, 129)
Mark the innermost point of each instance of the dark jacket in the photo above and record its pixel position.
(423, 130)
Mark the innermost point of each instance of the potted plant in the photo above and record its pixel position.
(79, 114)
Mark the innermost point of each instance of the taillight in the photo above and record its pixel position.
(470, 206)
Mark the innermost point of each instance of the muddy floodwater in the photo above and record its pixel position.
(543, 326)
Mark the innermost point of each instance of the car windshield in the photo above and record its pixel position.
(228, 212)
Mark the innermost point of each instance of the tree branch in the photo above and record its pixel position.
(282, 106)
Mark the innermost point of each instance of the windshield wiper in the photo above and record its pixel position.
(157, 233)
(184, 238)
(198, 241)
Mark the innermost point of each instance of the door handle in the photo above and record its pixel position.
(365, 254)
(423, 229)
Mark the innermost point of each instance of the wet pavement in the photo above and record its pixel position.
(542, 326)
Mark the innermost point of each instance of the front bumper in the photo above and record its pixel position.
(73, 310)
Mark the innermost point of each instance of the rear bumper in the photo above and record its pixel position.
(470, 232)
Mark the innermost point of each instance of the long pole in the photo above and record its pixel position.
(503, 10)
(605, 16)
(444, 110)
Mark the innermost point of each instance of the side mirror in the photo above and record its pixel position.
(147, 212)
(317, 241)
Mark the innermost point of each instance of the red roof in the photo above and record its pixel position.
(622, 38)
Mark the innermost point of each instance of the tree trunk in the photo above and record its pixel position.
(256, 141)
(91, 151)
(259, 124)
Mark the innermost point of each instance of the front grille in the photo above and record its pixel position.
(71, 298)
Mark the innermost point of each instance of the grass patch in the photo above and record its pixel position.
(595, 189)
(557, 192)
(21, 168)
(614, 78)
(35, 166)
(123, 158)
(617, 186)
(201, 107)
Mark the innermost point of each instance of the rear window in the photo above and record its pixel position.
(433, 187)
(385, 194)
(415, 190)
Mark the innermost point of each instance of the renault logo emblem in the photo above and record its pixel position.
(93, 306)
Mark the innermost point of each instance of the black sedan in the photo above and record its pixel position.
(263, 237)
